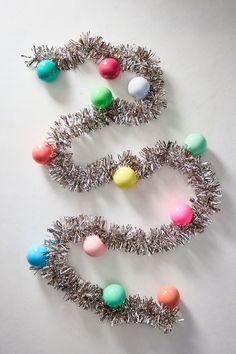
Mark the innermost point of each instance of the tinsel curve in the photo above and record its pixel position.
(131, 58)
(61, 276)
(80, 178)
(200, 176)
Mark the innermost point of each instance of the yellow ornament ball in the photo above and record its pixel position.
(125, 177)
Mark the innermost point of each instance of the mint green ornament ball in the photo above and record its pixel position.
(114, 295)
(101, 98)
(47, 70)
(196, 143)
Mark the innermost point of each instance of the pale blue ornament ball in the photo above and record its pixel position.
(139, 87)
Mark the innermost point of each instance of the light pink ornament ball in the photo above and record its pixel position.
(93, 246)
(181, 215)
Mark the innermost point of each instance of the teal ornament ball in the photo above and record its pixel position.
(195, 143)
(114, 295)
(47, 70)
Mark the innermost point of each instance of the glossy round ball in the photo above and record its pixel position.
(93, 246)
(181, 215)
(168, 296)
(47, 70)
(109, 68)
(101, 98)
(114, 295)
(139, 87)
(37, 256)
(196, 143)
(42, 153)
(125, 177)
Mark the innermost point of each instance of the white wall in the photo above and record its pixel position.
(196, 42)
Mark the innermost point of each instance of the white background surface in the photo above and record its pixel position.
(196, 42)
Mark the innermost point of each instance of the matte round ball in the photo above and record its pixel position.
(109, 68)
(101, 98)
(168, 296)
(139, 87)
(196, 143)
(114, 295)
(93, 246)
(37, 256)
(47, 70)
(181, 215)
(125, 177)
(42, 153)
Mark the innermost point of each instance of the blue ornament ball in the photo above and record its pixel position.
(37, 255)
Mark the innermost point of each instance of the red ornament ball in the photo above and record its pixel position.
(42, 153)
(109, 68)
(168, 296)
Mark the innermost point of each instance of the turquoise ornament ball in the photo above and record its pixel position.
(114, 295)
(37, 255)
(47, 70)
(196, 143)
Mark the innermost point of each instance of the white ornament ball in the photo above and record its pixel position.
(139, 87)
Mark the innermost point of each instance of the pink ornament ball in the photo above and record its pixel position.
(42, 153)
(109, 68)
(93, 246)
(181, 215)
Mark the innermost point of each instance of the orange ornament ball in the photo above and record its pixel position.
(168, 296)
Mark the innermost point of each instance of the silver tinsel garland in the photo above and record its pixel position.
(131, 58)
(61, 276)
(127, 238)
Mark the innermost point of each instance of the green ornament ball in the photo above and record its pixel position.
(196, 143)
(101, 98)
(47, 70)
(114, 295)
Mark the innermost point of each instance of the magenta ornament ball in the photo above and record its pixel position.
(181, 214)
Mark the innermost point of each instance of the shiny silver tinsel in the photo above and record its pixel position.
(61, 276)
(127, 238)
(83, 178)
(200, 177)
(78, 178)
(131, 58)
